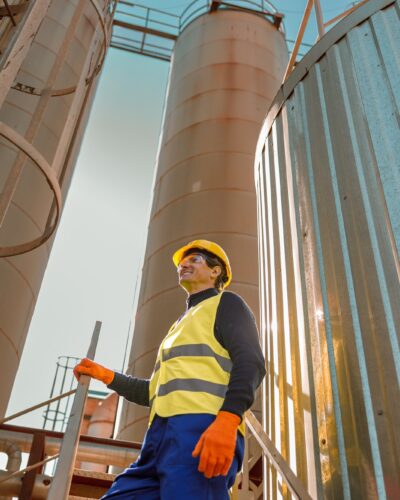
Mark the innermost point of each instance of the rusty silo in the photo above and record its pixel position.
(328, 186)
(226, 68)
(52, 51)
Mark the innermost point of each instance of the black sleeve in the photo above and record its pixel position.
(131, 388)
(236, 330)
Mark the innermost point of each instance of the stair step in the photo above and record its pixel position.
(88, 484)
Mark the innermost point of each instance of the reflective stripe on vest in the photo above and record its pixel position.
(192, 369)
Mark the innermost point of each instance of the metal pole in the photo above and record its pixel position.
(320, 21)
(299, 38)
(60, 486)
(51, 395)
(31, 408)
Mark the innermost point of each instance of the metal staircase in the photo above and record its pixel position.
(70, 447)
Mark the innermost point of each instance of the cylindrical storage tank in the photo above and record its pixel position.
(101, 425)
(226, 68)
(328, 188)
(42, 118)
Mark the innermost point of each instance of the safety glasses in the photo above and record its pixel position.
(194, 258)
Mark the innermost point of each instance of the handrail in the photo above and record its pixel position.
(191, 12)
(29, 468)
(294, 484)
(35, 407)
(166, 26)
(63, 475)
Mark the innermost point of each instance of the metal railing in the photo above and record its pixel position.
(44, 445)
(198, 7)
(276, 460)
(59, 485)
(63, 475)
(56, 415)
(153, 32)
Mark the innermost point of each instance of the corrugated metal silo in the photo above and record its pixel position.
(328, 185)
(49, 64)
(226, 69)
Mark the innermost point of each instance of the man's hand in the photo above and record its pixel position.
(216, 445)
(88, 367)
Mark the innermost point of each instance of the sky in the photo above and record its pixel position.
(93, 268)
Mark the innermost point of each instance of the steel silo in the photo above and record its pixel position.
(51, 56)
(328, 187)
(227, 65)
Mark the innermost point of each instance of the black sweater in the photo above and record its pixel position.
(236, 330)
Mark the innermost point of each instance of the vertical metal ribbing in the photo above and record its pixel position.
(337, 119)
(376, 61)
(379, 266)
(271, 327)
(264, 313)
(324, 295)
(307, 436)
(302, 381)
(284, 340)
(352, 297)
(391, 195)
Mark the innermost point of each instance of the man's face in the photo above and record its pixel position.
(194, 273)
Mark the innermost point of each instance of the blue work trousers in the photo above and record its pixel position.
(166, 469)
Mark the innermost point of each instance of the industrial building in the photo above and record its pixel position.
(290, 160)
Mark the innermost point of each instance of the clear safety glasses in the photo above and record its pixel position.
(194, 258)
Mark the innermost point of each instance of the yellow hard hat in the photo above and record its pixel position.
(211, 247)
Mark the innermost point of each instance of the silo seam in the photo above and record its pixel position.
(131, 363)
(241, 41)
(219, 118)
(228, 64)
(11, 343)
(28, 216)
(120, 431)
(175, 165)
(193, 193)
(217, 89)
(7, 259)
(193, 235)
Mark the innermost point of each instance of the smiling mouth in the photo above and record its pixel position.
(182, 275)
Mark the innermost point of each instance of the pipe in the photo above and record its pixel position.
(14, 458)
(12, 487)
(99, 453)
(13, 453)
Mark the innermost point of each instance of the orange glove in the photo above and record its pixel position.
(88, 367)
(216, 445)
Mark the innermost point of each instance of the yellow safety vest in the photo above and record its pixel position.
(192, 369)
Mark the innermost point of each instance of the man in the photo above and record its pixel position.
(207, 371)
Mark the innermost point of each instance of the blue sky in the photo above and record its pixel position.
(95, 259)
